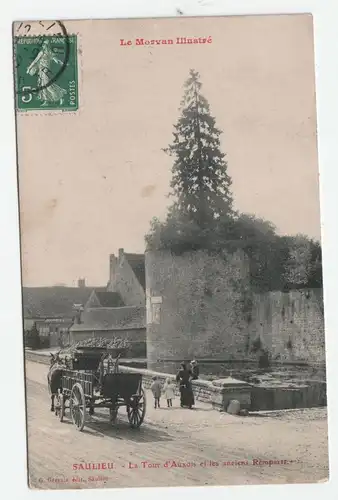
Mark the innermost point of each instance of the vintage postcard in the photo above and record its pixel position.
(173, 318)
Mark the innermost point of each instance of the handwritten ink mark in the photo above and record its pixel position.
(27, 27)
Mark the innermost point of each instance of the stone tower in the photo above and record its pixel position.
(195, 307)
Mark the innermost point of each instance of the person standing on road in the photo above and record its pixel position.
(169, 392)
(156, 389)
(195, 370)
(183, 377)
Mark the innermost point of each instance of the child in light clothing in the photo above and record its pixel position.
(169, 392)
(156, 389)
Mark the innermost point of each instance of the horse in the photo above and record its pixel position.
(54, 377)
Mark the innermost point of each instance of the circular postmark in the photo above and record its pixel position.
(42, 51)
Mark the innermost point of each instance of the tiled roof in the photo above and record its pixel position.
(110, 299)
(111, 318)
(137, 263)
(56, 301)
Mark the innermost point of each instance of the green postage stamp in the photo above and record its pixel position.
(46, 72)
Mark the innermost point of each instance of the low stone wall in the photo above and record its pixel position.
(310, 395)
(36, 356)
(217, 393)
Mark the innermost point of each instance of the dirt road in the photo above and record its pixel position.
(174, 447)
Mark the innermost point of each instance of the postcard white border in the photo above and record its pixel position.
(12, 415)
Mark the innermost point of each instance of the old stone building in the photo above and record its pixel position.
(119, 310)
(127, 277)
(51, 309)
(67, 314)
(172, 307)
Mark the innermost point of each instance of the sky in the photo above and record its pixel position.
(91, 181)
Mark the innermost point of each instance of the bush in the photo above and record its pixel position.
(32, 338)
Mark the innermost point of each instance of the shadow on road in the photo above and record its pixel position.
(201, 409)
(175, 408)
(100, 426)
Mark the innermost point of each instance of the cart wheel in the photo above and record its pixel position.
(136, 410)
(62, 407)
(77, 405)
(113, 415)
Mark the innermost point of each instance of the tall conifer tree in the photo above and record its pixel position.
(200, 181)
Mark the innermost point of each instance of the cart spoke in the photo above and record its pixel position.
(136, 410)
(78, 406)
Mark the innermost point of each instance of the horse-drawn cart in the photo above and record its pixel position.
(94, 381)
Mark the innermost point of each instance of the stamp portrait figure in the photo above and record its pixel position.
(41, 67)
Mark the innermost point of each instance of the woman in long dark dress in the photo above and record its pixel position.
(183, 377)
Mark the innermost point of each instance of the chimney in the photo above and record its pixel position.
(81, 283)
(121, 253)
(112, 268)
